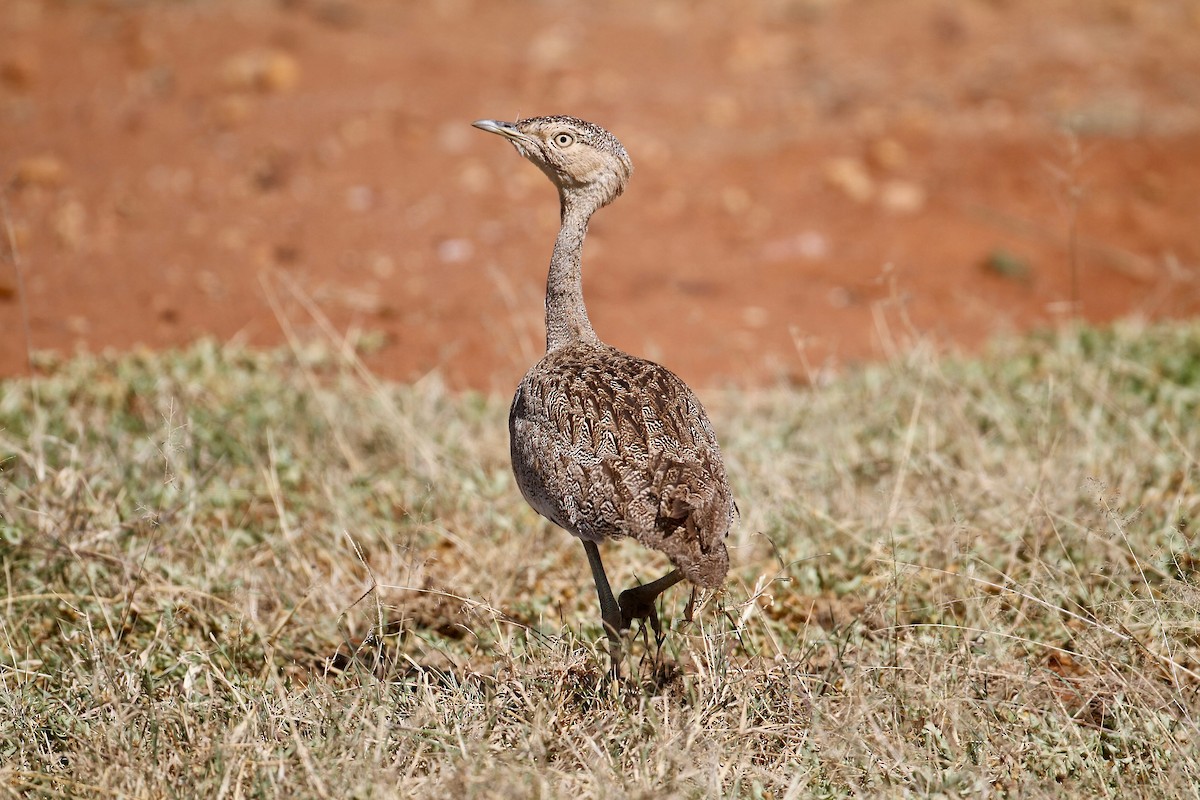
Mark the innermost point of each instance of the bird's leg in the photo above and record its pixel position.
(610, 609)
(638, 602)
(690, 609)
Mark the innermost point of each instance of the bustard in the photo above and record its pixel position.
(605, 444)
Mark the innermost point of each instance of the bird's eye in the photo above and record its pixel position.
(564, 139)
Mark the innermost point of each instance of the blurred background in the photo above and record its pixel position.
(816, 180)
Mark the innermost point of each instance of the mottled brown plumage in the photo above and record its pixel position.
(605, 444)
(608, 445)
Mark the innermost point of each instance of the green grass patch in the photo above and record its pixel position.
(231, 574)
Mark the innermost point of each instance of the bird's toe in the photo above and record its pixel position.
(639, 605)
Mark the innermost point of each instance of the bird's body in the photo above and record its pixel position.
(604, 444)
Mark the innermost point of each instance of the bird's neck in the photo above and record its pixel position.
(566, 316)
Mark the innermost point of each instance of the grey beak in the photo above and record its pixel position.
(508, 130)
(495, 126)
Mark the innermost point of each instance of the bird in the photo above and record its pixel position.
(604, 444)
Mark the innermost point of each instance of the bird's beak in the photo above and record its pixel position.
(506, 129)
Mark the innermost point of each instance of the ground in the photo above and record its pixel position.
(815, 179)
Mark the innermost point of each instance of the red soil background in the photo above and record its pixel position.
(814, 177)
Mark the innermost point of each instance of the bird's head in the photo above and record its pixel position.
(582, 159)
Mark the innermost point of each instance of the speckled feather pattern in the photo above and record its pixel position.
(608, 445)
(588, 132)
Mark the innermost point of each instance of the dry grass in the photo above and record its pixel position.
(234, 574)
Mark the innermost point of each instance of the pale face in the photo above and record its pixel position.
(573, 153)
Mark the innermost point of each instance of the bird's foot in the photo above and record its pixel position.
(639, 603)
